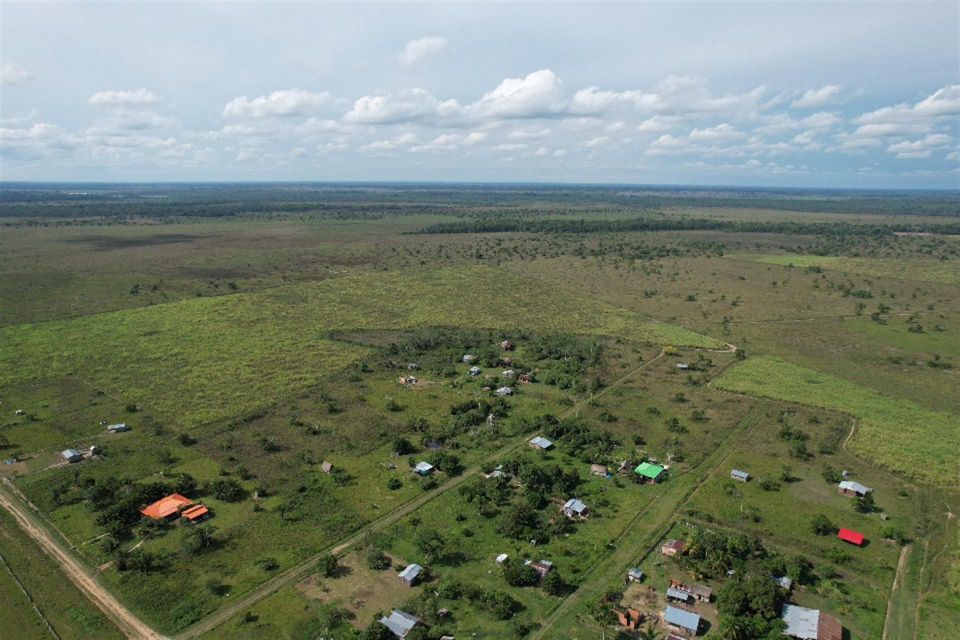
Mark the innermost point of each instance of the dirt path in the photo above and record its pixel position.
(300, 571)
(897, 583)
(129, 624)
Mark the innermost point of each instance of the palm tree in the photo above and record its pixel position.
(649, 632)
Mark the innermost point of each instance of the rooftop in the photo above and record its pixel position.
(681, 618)
(166, 507)
(400, 622)
(649, 470)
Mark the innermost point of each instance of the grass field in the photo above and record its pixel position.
(912, 441)
(919, 269)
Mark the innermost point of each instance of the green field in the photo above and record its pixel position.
(923, 270)
(914, 442)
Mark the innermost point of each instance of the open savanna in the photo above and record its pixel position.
(924, 270)
(908, 439)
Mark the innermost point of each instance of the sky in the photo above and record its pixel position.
(859, 95)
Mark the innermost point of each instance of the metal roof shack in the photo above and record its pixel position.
(851, 488)
(851, 536)
(423, 468)
(399, 622)
(810, 624)
(740, 474)
(539, 442)
(680, 596)
(410, 574)
(71, 455)
(117, 428)
(672, 547)
(680, 620)
(574, 508)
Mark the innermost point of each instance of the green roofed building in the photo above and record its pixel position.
(650, 472)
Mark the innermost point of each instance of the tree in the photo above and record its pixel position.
(553, 583)
(327, 565)
(227, 489)
(649, 632)
(431, 544)
(518, 574)
(201, 539)
(864, 503)
(403, 447)
(378, 560)
(822, 526)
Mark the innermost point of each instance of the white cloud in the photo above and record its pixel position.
(593, 143)
(922, 148)
(817, 97)
(940, 104)
(133, 98)
(290, 102)
(535, 95)
(11, 73)
(658, 124)
(414, 105)
(720, 133)
(421, 48)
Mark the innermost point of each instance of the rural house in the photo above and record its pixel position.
(672, 548)
(539, 442)
(542, 567)
(740, 475)
(117, 428)
(172, 506)
(504, 391)
(599, 470)
(851, 536)
(853, 489)
(423, 468)
(326, 467)
(411, 574)
(71, 455)
(400, 623)
(468, 358)
(474, 371)
(698, 591)
(650, 473)
(810, 624)
(681, 621)
(635, 575)
(678, 595)
(574, 508)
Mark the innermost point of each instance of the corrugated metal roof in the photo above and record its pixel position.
(801, 622)
(681, 618)
(400, 622)
(411, 572)
(677, 594)
(850, 485)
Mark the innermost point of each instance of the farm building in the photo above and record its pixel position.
(740, 475)
(698, 591)
(71, 455)
(599, 470)
(474, 371)
(542, 567)
(400, 623)
(168, 507)
(508, 373)
(678, 595)
(851, 536)
(326, 467)
(810, 624)
(411, 574)
(629, 618)
(504, 391)
(682, 366)
(649, 472)
(117, 428)
(196, 513)
(681, 621)
(413, 366)
(423, 468)
(502, 558)
(574, 508)
(635, 575)
(672, 548)
(853, 489)
(539, 442)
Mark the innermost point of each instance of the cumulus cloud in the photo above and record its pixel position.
(922, 148)
(817, 97)
(132, 98)
(414, 105)
(535, 95)
(421, 48)
(289, 102)
(11, 73)
(720, 133)
(942, 103)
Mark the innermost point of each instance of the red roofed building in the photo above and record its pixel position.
(196, 513)
(167, 507)
(848, 535)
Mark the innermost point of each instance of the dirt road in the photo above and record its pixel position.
(129, 624)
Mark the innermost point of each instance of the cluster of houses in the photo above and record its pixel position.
(76, 455)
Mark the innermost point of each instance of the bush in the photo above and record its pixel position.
(518, 574)
(821, 525)
(394, 483)
(378, 560)
(327, 566)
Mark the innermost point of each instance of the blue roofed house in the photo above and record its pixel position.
(423, 468)
(539, 442)
(574, 508)
(681, 621)
(400, 623)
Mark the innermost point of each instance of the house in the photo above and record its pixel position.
(853, 489)
(508, 373)
(672, 548)
(524, 378)
(574, 508)
(423, 468)
(539, 442)
(71, 455)
(166, 508)
(502, 558)
(400, 623)
(504, 391)
(810, 624)
(682, 366)
(629, 618)
(599, 470)
(650, 473)
(681, 621)
(678, 595)
(784, 582)
(635, 575)
(326, 467)
(117, 428)
(740, 475)
(496, 473)
(196, 513)
(468, 358)
(851, 536)
(700, 592)
(474, 371)
(542, 567)
(506, 345)
(411, 574)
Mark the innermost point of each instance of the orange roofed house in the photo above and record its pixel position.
(175, 505)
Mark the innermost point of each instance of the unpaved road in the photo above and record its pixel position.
(129, 624)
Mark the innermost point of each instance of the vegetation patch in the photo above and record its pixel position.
(908, 268)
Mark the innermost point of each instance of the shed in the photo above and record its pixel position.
(678, 595)
(504, 391)
(635, 575)
(851, 536)
(599, 470)
(326, 467)
(810, 624)
(117, 428)
(574, 508)
(650, 472)
(400, 623)
(539, 442)
(682, 366)
(502, 558)
(680, 620)
(854, 489)
(411, 574)
(196, 513)
(423, 468)
(474, 371)
(508, 373)
(671, 548)
(628, 618)
(740, 474)
(542, 567)
(469, 357)
(784, 582)
(506, 345)
(71, 455)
